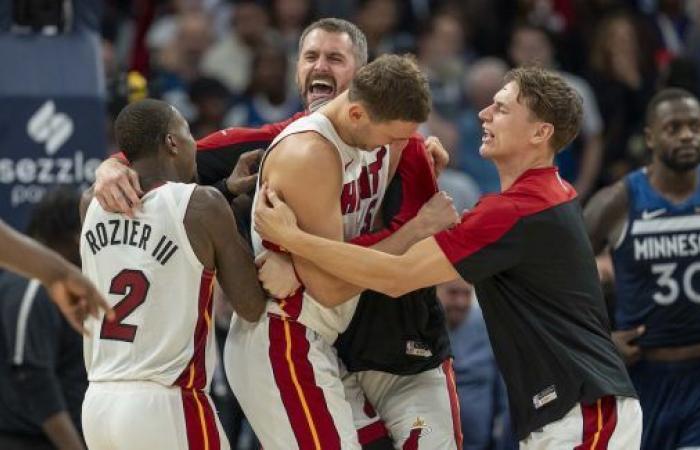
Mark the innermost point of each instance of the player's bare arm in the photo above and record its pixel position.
(436, 215)
(423, 265)
(74, 294)
(605, 216)
(211, 229)
(117, 186)
(277, 275)
(306, 171)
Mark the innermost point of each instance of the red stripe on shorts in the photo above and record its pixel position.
(202, 432)
(303, 400)
(599, 422)
(195, 374)
(454, 401)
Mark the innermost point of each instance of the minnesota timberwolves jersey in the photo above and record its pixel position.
(159, 290)
(365, 175)
(657, 267)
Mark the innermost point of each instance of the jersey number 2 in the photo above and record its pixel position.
(133, 285)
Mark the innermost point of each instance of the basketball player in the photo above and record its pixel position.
(150, 369)
(315, 161)
(528, 255)
(651, 221)
(74, 295)
(397, 351)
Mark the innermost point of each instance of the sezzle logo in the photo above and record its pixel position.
(27, 177)
(50, 127)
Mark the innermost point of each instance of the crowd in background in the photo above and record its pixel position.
(231, 63)
(226, 63)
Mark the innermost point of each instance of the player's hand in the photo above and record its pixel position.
(276, 274)
(76, 297)
(438, 214)
(623, 341)
(274, 220)
(437, 154)
(245, 174)
(117, 187)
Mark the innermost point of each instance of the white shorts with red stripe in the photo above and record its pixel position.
(420, 411)
(143, 415)
(287, 379)
(611, 423)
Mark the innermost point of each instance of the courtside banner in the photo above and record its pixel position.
(52, 115)
(44, 142)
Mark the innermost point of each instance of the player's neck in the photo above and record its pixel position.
(511, 168)
(153, 173)
(676, 186)
(333, 110)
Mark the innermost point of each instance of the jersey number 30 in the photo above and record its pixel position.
(133, 285)
(670, 288)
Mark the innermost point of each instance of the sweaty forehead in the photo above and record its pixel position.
(326, 41)
(677, 109)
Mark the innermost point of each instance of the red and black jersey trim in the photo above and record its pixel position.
(495, 215)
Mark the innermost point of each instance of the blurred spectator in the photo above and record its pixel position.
(580, 162)
(179, 61)
(42, 374)
(623, 81)
(379, 20)
(681, 73)
(290, 17)
(211, 101)
(230, 59)
(482, 81)
(672, 26)
(443, 57)
(479, 387)
(268, 98)
(461, 187)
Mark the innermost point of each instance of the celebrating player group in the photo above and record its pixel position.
(328, 258)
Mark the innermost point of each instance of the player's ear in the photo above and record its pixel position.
(356, 112)
(171, 144)
(543, 132)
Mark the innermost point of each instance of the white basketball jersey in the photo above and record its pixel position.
(365, 176)
(160, 292)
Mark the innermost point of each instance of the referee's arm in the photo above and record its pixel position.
(33, 346)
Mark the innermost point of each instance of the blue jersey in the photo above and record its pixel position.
(657, 267)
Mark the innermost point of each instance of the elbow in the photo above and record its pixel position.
(395, 288)
(251, 313)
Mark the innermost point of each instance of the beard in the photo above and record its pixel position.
(670, 160)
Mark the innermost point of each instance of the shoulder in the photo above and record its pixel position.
(206, 202)
(613, 199)
(207, 197)
(304, 148)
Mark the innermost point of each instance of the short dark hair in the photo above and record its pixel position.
(334, 25)
(141, 127)
(56, 219)
(551, 99)
(665, 95)
(392, 87)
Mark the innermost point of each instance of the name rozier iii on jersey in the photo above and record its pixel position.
(133, 233)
